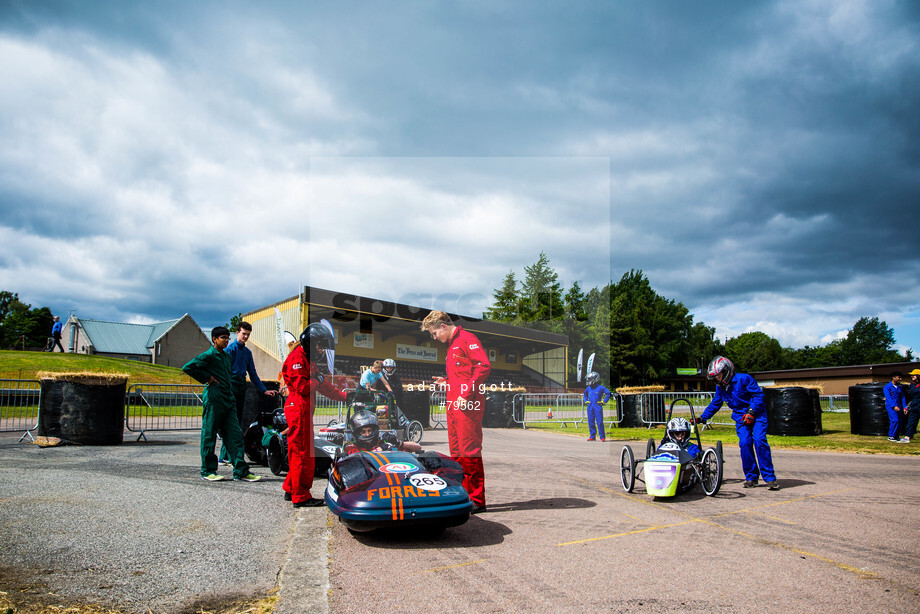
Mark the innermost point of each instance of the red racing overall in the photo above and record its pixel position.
(303, 380)
(467, 369)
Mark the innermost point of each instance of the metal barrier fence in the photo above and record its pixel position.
(653, 407)
(839, 403)
(163, 407)
(559, 408)
(19, 403)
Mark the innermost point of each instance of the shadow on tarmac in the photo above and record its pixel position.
(560, 503)
(474, 533)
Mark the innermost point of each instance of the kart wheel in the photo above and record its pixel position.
(628, 468)
(252, 444)
(711, 468)
(650, 448)
(278, 455)
(332, 422)
(414, 431)
(719, 451)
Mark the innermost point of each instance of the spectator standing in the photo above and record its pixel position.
(895, 405)
(745, 398)
(467, 369)
(595, 396)
(241, 363)
(56, 331)
(212, 368)
(913, 399)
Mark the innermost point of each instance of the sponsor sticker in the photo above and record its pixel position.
(330, 450)
(427, 481)
(330, 492)
(399, 468)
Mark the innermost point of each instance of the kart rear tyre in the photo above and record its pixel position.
(719, 450)
(711, 468)
(650, 448)
(278, 455)
(414, 431)
(628, 469)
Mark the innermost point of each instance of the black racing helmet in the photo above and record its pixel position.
(314, 335)
(360, 419)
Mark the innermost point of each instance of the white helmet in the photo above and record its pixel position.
(592, 378)
(389, 366)
(679, 430)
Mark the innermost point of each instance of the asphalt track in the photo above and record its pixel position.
(133, 526)
(561, 535)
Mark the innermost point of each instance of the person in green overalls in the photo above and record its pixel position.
(212, 368)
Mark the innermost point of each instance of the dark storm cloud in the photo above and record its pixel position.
(762, 158)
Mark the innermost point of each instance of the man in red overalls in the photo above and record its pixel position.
(303, 379)
(467, 369)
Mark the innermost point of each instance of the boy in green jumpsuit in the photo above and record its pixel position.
(212, 368)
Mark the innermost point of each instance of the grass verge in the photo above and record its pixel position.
(25, 365)
(835, 438)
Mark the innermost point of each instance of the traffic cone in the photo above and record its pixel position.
(549, 414)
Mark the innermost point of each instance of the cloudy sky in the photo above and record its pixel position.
(758, 161)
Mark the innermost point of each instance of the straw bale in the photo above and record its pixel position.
(640, 389)
(88, 378)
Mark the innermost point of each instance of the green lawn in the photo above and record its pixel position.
(24, 365)
(836, 437)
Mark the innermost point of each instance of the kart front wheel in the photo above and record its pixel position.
(650, 448)
(628, 468)
(414, 431)
(719, 450)
(711, 468)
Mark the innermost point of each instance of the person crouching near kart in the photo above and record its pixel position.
(745, 398)
(304, 379)
(366, 437)
(594, 397)
(374, 376)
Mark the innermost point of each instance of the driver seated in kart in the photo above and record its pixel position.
(678, 432)
(677, 442)
(367, 437)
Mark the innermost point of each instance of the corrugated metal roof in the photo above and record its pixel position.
(119, 338)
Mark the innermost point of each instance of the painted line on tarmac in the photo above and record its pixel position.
(646, 530)
(452, 566)
(862, 573)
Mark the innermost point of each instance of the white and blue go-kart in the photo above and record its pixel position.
(669, 469)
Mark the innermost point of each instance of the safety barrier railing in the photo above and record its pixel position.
(559, 408)
(839, 403)
(653, 407)
(438, 414)
(163, 407)
(19, 403)
(326, 410)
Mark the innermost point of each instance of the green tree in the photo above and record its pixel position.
(542, 292)
(23, 326)
(648, 333)
(702, 346)
(869, 342)
(755, 351)
(575, 303)
(507, 305)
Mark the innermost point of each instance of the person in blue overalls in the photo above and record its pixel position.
(745, 398)
(595, 396)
